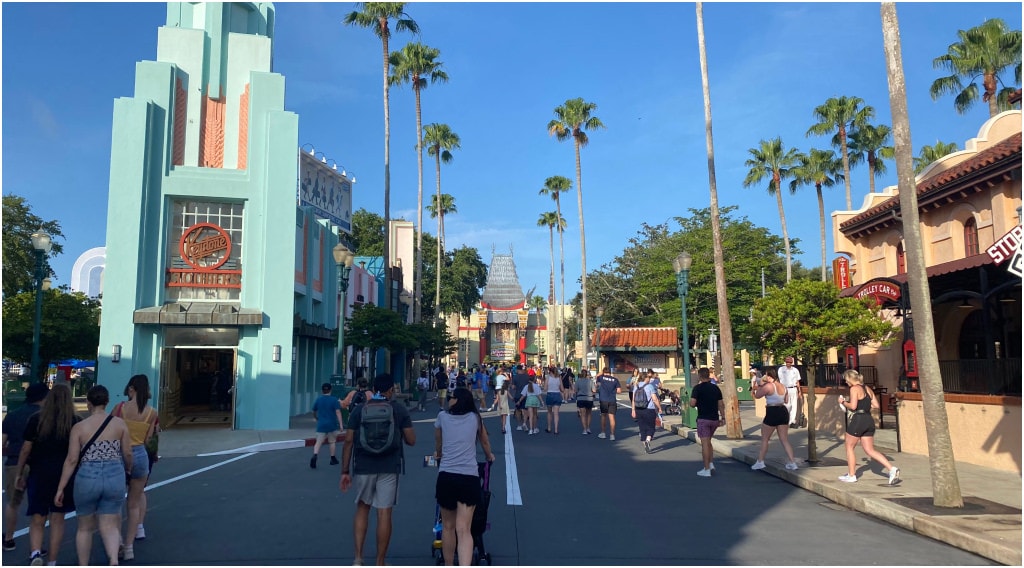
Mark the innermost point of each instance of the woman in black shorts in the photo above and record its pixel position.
(458, 491)
(861, 427)
(776, 417)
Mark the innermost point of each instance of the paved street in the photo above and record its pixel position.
(585, 501)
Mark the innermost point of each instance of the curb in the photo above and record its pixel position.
(923, 524)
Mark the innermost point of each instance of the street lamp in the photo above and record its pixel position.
(41, 243)
(681, 264)
(598, 313)
(343, 258)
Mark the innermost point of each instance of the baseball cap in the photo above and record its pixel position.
(35, 392)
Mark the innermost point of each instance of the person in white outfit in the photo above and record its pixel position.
(789, 376)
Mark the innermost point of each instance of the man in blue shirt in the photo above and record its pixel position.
(478, 388)
(327, 411)
(607, 388)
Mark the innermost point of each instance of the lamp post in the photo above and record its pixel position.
(343, 258)
(681, 264)
(41, 243)
(598, 313)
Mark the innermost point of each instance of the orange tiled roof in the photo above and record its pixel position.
(999, 152)
(637, 338)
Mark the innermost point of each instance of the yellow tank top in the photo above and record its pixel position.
(138, 429)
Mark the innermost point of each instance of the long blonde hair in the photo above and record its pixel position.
(57, 415)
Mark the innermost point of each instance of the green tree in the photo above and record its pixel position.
(572, 120)
(69, 328)
(434, 342)
(945, 482)
(414, 64)
(554, 221)
(931, 154)
(806, 319)
(440, 141)
(771, 160)
(839, 114)
(984, 52)
(367, 233)
(440, 205)
(555, 186)
(537, 304)
(19, 258)
(871, 144)
(373, 327)
(820, 168)
(377, 16)
(465, 276)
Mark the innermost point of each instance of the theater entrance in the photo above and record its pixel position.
(197, 386)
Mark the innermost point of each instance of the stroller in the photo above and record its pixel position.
(478, 527)
(670, 402)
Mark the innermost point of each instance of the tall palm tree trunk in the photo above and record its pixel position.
(551, 246)
(871, 171)
(846, 164)
(561, 258)
(387, 178)
(440, 243)
(821, 224)
(733, 424)
(991, 88)
(945, 483)
(418, 275)
(583, 256)
(785, 232)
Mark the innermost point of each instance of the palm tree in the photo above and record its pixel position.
(839, 113)
(734, 426)
(572, 120)
(414, 64)
(984, 51)
(440, 205)
(771, 160)
(931, 154)
(440, 141)
(869, 144)
(555, 186)
(945, 483)
(820, 168)
(553, 220)
(376, 15)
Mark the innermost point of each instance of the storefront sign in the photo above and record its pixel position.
(841, 272)
(880, 290)
(1008, 247)
(205, 247)
(326, 190)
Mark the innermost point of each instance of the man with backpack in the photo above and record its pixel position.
(372, 458)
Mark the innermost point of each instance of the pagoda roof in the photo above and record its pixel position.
(502, 291)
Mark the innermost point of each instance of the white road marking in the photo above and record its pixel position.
(71, 515)
(515, 497)
(261, 447)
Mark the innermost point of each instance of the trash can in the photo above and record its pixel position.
(689, 413)
(743, 390)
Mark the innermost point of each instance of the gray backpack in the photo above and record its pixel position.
(378, 432)
(640, 397)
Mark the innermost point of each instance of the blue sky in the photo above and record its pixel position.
(510, 65)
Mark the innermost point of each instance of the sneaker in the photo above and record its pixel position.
(129, 552)
(140, 533)
(704, 473)
(585, 432)
(612, 437)
(848, 478)
(791, 466)
(312, 462)
(894, 475)
(519, 428)
(647, 447)
(357, 562)
(9, 544)
(711, 467)
(536, 430)
(757, 465)
(36, 560)
(602, 435)
(334, 461)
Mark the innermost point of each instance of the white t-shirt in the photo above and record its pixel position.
(499, 380)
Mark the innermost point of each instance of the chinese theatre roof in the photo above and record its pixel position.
(637, 339)
(502, 291)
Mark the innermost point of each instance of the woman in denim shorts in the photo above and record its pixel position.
(99, 484)
(141, 420)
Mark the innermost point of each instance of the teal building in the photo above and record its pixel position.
(229, 306)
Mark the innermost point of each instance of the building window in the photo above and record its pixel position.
(228, 217)
(901, 259)
(971, 237)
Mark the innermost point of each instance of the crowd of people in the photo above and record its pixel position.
(96, 466)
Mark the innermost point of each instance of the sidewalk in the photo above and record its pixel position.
(989, 525)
